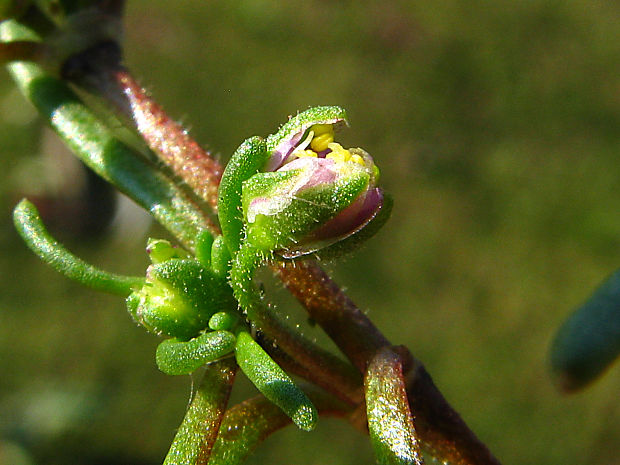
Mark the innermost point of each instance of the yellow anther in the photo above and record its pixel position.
(337, 149)
(322, 141)
(306, 153)
(336, 156)
(322, 129)
(357, 159)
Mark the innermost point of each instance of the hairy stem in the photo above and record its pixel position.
(352, 331)
(440, 428)
(247, 424)
(197, 434)
(321, 366)
(172, 143)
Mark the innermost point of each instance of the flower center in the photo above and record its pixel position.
(319, 143)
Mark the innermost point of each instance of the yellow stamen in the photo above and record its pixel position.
(355, 158)
(323, 136)
(322, 129)
(322, 141)
(339, 151)
(335, 156)
(306, 153)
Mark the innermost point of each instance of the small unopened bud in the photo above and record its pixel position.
(179, 298)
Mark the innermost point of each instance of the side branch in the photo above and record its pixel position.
(188, 160)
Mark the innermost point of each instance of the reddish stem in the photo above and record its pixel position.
(23, 50)
(440, 428)
(186, 159)
(329, 306)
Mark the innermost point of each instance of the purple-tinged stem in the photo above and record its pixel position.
(23, 50)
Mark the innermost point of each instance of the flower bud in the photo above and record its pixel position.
(161, 250)
(179, 298)
(314, 192)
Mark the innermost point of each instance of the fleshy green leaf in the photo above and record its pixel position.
(176, 357)
(274, 383)
(390, 423)
(31, 229)
(589, 340)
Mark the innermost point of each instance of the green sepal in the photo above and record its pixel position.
(292, 214)
(179, 298)
(245, 162)
(588, 342)
(175, 357)
(300, 123)
(274, 383)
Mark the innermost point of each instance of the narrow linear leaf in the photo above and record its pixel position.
(588, 342)
(390, 423)
(274, 383)
(33, 232)
(194, 440)
(176, 357)
(96, 146)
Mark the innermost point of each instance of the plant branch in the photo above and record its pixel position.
(247, 424)
(97, 147)
(98, 69)
(352, 331)
(196, 436)
(172, 142)
(440, 428)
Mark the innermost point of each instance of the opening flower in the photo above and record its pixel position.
(314, 192)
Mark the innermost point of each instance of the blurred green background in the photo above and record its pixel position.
(496, 126)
